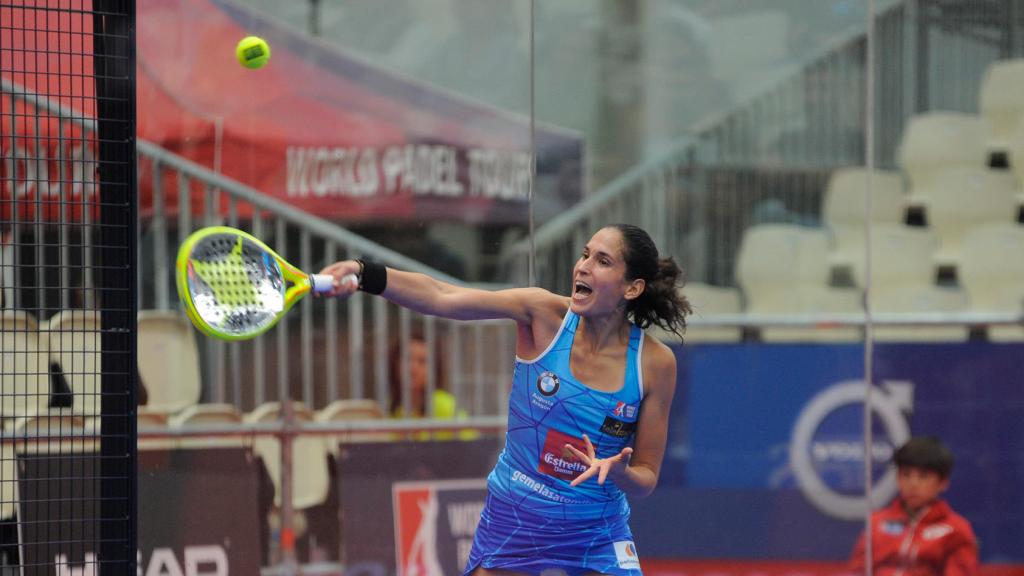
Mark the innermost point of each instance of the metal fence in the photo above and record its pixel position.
(768, 160)
(67, 218)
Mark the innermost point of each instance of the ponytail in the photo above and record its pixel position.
(661, 303)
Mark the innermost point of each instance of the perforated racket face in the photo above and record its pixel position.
(236, 287)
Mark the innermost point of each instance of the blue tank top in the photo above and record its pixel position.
(549, 408)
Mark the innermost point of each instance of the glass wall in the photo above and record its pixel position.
(833, 193)
(839, 179)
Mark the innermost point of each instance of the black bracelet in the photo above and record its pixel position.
(373, 278)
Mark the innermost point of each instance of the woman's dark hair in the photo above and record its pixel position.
(662, 303)
(926, 453)
(417, 334)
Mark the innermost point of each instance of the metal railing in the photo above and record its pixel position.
(323, 350)
(768, 160)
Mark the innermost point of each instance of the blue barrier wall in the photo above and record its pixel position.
(766, 451)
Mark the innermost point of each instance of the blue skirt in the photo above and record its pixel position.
(511, 539)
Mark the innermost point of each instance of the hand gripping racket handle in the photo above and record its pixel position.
(325, 282)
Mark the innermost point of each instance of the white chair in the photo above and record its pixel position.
(75, 345)
(8, 482)
(992, 272)
(168, 361)
(1001, 101)
(24, 364)
(900, 256)
(707, 300)
(936, 141)
(310, 476)
(844, 210)
(783, 270)
(919, 299)
(203, 414)
(1016, 153)
(961, 199)
(348, 410)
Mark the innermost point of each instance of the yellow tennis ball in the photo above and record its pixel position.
(252, 52)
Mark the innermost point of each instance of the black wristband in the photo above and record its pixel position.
(373, 278)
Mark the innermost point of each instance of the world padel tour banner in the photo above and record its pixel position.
(765, 456)
(434, 524)
(199, 512)
(411, 508)
(316, 127)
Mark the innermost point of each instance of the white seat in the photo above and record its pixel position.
(310, 476)
(919, 299)
(707, 300)
(1000, 101)
(203, 414)
(352, 409)
(784, 270)
(24, 364)
(936, 141)
(168, 361)
(844, 210)
(148, 419)
(900, 256)
(992, 272)
(75, 345)
(810, 301)
(1016, 146)
(775, 256)
(8, 482)
(964, 198)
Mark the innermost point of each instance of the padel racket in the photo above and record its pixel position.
(234, 287)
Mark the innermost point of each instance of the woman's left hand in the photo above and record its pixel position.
(600, 466)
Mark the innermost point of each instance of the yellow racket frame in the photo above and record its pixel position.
(300, 282)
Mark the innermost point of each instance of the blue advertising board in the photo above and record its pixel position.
(766, 450)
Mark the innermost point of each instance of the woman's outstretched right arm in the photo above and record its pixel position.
(427, 295)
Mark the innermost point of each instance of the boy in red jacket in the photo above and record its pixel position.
(919, 534)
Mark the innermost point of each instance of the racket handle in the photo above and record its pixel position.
(325, 282)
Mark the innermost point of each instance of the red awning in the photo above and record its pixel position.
(317, 128)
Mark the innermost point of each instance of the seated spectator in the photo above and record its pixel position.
(919, 533)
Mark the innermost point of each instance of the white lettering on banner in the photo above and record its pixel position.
(463, 546)
(211, 560)
(326, 171)
(420, 169)
(423, 169)
(61, 567)
(499, 175)
(463, 517)
(42, 172)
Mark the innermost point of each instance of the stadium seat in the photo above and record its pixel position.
(707, 300)
(783, 270)
(936, 141)
(310, 478)
(8, 482)
(1000, 101)
(25, 364)
(168, 359)
(961, 199)
(992, 272)
(1016, 147)
(919, 299)
(148, 419)
(351, 409)
(900, 256)
(204, 414)
(843, 209)
(75, 344)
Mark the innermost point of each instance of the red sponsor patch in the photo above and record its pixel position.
(556, 460)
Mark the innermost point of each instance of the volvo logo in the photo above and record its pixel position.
(812, 449)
